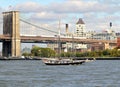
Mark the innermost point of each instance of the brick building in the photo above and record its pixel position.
(118, 42)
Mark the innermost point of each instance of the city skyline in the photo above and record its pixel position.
(11, 21)
(97, 14)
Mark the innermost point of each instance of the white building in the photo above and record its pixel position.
(80, 33)
(105, 35)
(80, 29)
(90, 34)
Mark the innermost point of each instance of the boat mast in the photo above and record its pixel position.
(73, 46)
(59, 42)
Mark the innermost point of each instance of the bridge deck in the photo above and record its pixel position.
(53, 39)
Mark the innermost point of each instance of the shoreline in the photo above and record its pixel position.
(20, 58)
(78, 58)
(99, 58)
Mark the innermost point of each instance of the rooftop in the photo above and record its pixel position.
(80, 21)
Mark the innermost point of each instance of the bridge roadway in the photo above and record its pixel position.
(40, 39)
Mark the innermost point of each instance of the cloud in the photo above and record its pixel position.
(96, 13)
(47, 16)
(71, 7)
(82, 7)
(115, 2)
(29, 7)
(76, 6)
(1, 16)
(94, 22)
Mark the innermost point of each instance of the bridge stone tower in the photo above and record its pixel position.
(11, 27)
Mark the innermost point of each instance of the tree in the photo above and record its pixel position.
(106, 52)
(36, 51)
(47, 52)
(26, 54)
(42, 52)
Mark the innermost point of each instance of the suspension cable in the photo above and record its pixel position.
(40, 27)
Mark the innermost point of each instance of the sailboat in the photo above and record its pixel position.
(61, 61)
(54, 61)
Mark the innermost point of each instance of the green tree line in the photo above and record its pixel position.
(101, 53)
(40, 52)
(47, 52)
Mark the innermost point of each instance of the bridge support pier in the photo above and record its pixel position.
(106, 46)
(6, 48)
(11, 27)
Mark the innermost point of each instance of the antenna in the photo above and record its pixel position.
(59, 28)
(9, 8)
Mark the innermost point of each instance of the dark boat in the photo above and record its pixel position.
(53, 61)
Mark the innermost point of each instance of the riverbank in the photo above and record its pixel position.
(76, 58)
(20, 58)
(98, 58)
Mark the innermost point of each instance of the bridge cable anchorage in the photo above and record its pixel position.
(40, 27)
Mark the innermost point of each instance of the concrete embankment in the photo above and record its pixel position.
(76, 58)
(20, 58)
(98, 58)
(108, 58)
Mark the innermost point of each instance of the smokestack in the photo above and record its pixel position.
(110, 24)
(66, 28)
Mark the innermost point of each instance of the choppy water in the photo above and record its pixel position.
(33, 73)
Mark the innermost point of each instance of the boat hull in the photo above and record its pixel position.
(63, 62)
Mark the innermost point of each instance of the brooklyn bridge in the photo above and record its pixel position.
(13, 35)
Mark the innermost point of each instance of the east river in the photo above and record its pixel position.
(34, 73)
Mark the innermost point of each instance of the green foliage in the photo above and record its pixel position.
(26, 54)
(47, 52)
(66, 54)
(36, 51)
(78, 54)
(42, 52)
(104, 53)
(118, 53)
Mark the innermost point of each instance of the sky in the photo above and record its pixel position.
(97, 14)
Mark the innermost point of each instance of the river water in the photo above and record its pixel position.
(34, 73)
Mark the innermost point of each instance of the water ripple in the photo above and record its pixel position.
(25, 73)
